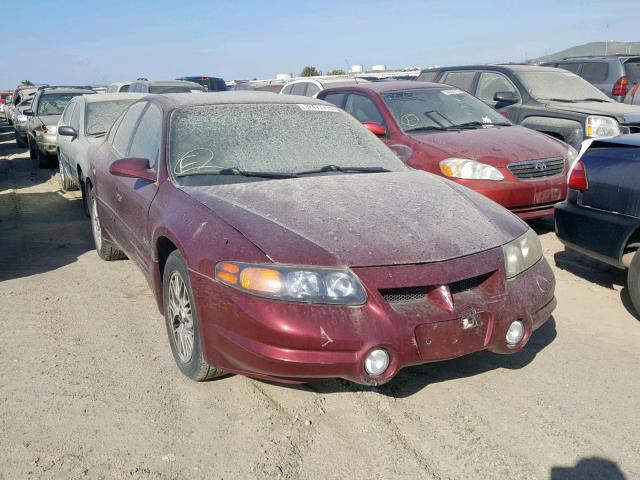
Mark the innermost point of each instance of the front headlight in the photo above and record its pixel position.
(469, 169)
(21, 118)
(598, 127)
(293, 283)
(521, 253)
(51, 128)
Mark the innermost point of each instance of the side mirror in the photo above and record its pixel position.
(67, 132)
(133, 168)
(506, 98)
(28, 112)
(375, 128)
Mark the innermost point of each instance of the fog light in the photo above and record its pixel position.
(515, 332)
(376, 362)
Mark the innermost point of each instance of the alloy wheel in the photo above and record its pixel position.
(181, 317)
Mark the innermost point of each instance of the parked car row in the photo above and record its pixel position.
(271, 228)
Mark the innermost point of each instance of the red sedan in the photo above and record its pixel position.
(443, 130)
(284, 241)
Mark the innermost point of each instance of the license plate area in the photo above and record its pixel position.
(452, 338)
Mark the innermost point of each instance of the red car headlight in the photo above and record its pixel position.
(333, 286)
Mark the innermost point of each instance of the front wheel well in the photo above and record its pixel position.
(164, 248)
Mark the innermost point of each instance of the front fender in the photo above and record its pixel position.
(570, 131)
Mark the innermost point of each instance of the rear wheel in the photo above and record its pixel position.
(633, 281)
(105, 251)
(182, 321)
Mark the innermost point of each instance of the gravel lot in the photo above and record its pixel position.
(88, 387)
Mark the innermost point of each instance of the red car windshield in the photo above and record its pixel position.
(439, 109)
(271, 137)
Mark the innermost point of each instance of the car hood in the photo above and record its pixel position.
(361, 219)
(497, 146)
(622, 112)
(49, 119)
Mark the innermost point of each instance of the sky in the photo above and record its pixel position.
(88, 42)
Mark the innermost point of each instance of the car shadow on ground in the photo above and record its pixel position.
(413, 379)
(40, 232)
(591, 467)
(543, 225)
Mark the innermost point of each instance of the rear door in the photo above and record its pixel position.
(111, 204)
(137, 194)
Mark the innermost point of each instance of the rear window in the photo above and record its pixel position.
(462, 80)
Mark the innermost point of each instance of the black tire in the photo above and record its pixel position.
(19, 140)
(66, 183)
(633, 281)
(33, 151)
(105, 250)
(85, 201)
(195, 367)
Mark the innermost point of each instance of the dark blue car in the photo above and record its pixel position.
(601, 216)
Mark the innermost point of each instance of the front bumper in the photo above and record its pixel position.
(47, 142)
(528, 199)
(292, 342)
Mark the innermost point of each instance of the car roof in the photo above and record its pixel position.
(171, 101)
(499, 67)
(394, 85)
(80, 91)
(168, 83)
(109, 97)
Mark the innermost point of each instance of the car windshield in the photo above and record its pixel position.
(558, 85)
(282, 138)
(439, 109)
(175, 88)
(101, 115)
(54, 103)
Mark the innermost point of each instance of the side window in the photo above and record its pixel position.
(462, 80)
(312, 89)
(122, 137)
(66, 115)
(287, 89)
(595, 72)
(428, 76)
(363, 109)
(75, 116)
(146, 139)
(336, 98)
(299, 88)
(572, 67)
(490, 83)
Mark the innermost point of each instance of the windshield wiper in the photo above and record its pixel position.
(474, 124)
(336, 168)
(426, 128)
(246, 173)
(564, 100)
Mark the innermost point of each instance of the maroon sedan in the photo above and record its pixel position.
(284, 241)
(446, 131)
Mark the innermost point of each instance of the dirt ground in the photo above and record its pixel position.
(88, 387)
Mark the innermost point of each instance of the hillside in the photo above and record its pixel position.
(592, 48)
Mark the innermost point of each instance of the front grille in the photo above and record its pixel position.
(545, 167)
(633, 127)
(467, 284)
(404, 295)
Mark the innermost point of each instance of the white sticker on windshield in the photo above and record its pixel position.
(486, 120)
(317, 108)
(452, 92)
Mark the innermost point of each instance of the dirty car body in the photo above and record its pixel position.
(300, 272)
